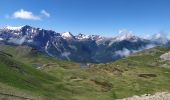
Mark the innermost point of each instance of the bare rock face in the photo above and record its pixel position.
(157, 96)
(165, 56)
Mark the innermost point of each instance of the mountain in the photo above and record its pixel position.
(67, 35)
(79, 48)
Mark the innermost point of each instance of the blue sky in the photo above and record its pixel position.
(103, 17)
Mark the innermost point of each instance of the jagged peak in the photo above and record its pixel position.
(81, 36)
(66, 35)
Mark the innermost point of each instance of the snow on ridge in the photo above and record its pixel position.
(13, 28)
(82, 36)
(125, 36)
(66, 35)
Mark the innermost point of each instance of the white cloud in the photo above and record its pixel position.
(18, 41)
(23, 14)
(124, 52)
(66, 54)
(45, 13)
(28, 15)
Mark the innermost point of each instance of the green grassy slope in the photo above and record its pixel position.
(17, 73)
(25, 77)
(63, 80)
(67, 83)
(139, 73)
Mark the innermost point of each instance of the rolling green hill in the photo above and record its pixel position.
(17, 78)
(139, 73)
(26, 73)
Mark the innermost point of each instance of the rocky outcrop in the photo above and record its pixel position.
(157, 96)
(165, 56)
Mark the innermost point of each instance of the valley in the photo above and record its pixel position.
(38, 76)
(84, 50)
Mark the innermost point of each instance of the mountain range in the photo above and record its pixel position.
(81, 47)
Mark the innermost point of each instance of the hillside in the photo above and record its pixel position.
(63, 73)
(140, 73)
(40, 76)
(21, 76)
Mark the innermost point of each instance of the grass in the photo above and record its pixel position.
(126, 72)
(137, 74)
(21, 76)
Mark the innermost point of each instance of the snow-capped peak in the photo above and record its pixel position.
(13, 28)
(82, 36)
(126, 35)
(66, 35)
(1, 39)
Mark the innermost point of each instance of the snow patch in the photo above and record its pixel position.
(29, 41)
(46, 47)
(73, 47)
(1, 39)
(13, 28)
(82, 36)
